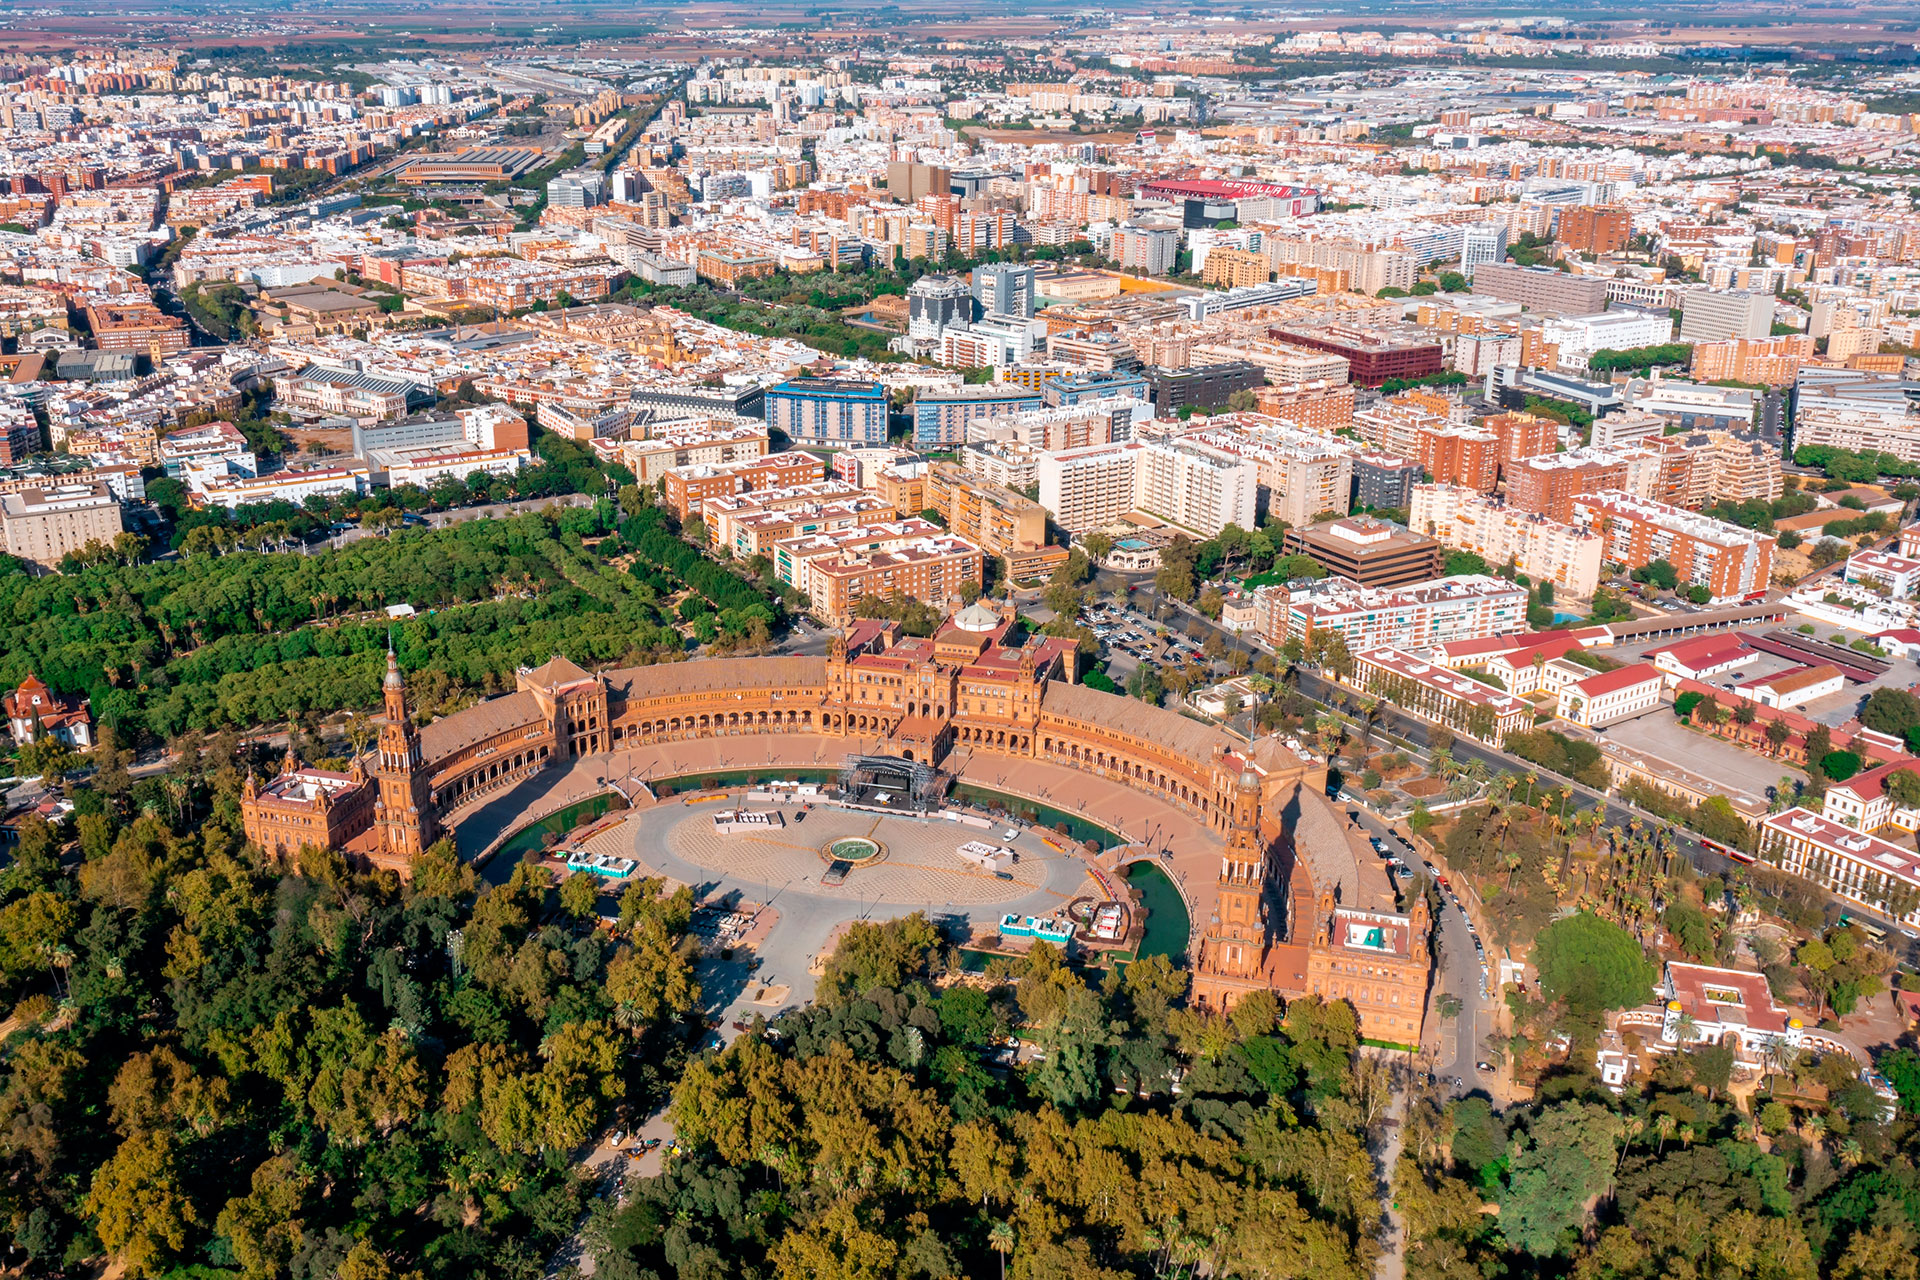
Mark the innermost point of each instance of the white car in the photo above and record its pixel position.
(1009, 834)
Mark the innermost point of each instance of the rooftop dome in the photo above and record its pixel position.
(977, 617)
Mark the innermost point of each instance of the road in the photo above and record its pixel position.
(1458, 1043)
(461, 515)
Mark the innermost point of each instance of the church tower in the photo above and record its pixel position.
(404, 813)
(1233, 951)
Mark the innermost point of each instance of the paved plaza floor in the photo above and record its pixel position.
(783, 868)
(920, 873)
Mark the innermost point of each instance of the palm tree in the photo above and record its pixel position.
(1815, 1127)
(1850, 1153)
(1000, 1240)
(1663, 1125)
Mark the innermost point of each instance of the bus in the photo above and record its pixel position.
(1871, 930)
(1727, 851)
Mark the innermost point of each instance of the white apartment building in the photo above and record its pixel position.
(1900, 575)
(424, 465)
(1543, 549)
(1089, 487)
(1707, 315)
(1106, 420)
(1305, 473)
(1883, 429)
(1486, 242)
(1628, 427)
(1182, 481)
(1446, 610)
(1149, 250)
(1004, 462)
(1578, 337)
(283, 486)
(1198, 486)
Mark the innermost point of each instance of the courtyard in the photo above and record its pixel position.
(780, 876)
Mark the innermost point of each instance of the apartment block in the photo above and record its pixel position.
(1207, 386)
(1548, 485)
(1003, 462)
(1193, 485)
(1395, 426)
(1455, 454)
(1229, 268)
(1772, 362)
(1543, 549)
(1306, 475)
(1522, 435)
(940, 418)
(689, 487)
(1317, 406)
(1542, 289)
(1729, 561)
(829, 411)
(1731, 468)
(1444, 611)
(1091, 486)
(1383, 482)
(659, 447)
(749, 524)
(44, 523)
(837, 573)
(1594, 228)
(1709, 315)
(1198, 487)
(1002, 522)
(1102, 420)
(1149, 250)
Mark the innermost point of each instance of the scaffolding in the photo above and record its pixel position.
(890, 782)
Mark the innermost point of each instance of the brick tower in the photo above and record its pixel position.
(404, 813)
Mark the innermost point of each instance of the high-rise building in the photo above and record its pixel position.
(1549, 484)
(940, 418)
(1185, 482)
(1729, 561)
(829, 411)
(1383, 482)
(1149, 250)
(1543, 549)
(1206, 386)
(1457, 454)
(907, 182)
(1542, 288)
(1004, 289)
(1522, 435)
(1710, 315)
(1481, 244)
(936, 303)
(1594, 228)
